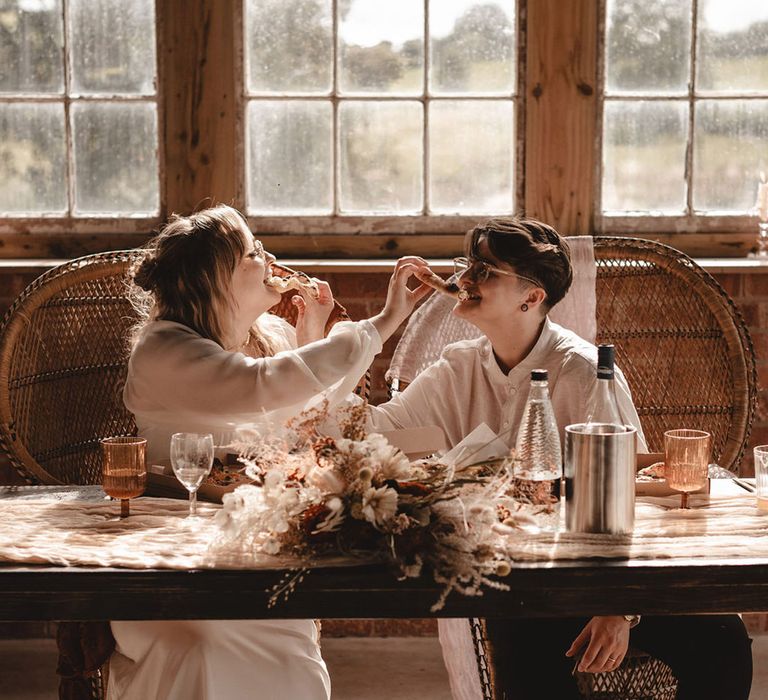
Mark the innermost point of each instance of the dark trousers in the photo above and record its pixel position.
(710, 655)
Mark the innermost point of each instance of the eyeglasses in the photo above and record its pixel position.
(480, 270)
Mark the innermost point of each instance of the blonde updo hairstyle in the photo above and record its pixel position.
(186, 273)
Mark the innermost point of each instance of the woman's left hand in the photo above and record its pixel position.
(313, 313)
(607, 640)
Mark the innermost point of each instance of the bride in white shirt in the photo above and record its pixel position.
(207, 358)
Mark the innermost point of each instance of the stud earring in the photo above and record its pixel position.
(524, 307)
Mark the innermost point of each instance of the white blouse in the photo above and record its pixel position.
(466, 387)
(179, 381)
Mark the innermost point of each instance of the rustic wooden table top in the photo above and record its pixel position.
(537, 590)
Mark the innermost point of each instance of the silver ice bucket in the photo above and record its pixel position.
(599, 469)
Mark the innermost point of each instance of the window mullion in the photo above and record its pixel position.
(336, 155)
(69, 146)
(691, 111)
(425, 118)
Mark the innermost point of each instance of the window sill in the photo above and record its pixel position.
(440, 265)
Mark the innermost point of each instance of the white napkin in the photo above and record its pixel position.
(481, 445)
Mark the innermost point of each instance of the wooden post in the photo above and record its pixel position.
(198, 68)
(561, 98)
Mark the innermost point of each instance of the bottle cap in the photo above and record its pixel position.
(605, 358)
(539, 375)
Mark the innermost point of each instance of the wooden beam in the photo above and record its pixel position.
(329, 246)
(66, 246)
(561, 94)
(198, 68)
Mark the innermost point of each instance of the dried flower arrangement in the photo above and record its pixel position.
(313, 495)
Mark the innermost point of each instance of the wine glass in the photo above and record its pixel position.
(124, 469)
(191, 459)
(686, 459)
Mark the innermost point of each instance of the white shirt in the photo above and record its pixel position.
(179, 381)
(466, 387)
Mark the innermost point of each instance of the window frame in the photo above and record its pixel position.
(673, 226)
(56, 224)
(200, 117)
(311, 228)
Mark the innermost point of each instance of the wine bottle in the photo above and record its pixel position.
(538, 462)
(603, 415)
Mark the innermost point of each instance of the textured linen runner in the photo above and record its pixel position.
(714, 527)
(77, 526)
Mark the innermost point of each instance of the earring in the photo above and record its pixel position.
(524, 307)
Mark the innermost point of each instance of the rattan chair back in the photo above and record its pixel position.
(680, 340)
(64, 346)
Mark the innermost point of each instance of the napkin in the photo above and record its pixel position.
(481, 445)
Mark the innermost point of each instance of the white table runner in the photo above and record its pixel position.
(77, 527)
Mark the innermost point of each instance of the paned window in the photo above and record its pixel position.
(685, 108)
(78, 109)
(370, 108)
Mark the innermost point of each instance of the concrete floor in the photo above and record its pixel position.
(361, 669)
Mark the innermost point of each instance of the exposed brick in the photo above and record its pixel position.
(756, 285)
(762, 376)
(358, 286)
(358, 309)
(760, 341)
(759, 435)
(761, 414)
(418, 627)
(754, 312)
(756, 622)
(731, 282)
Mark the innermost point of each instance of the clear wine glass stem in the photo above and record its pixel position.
(193, 502)
(684, 500)
(125, 507)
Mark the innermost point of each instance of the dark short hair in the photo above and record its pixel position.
(533, 248)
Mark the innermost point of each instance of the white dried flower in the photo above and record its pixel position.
(326, 479)
(271, 545)
(390, 462)
(379, 505)
(331, 522)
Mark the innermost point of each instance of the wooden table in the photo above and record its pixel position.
(537, 590)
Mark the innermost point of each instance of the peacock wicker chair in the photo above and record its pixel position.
(689, 361)
(63, 362)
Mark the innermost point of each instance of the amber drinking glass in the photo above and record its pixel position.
(124, 469)
(686, 456)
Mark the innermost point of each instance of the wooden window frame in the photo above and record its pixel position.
(13, 226)
(690, 228)
(365, 223)
(201, 126)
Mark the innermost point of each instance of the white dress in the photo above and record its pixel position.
(179, 381)
(465, 388)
